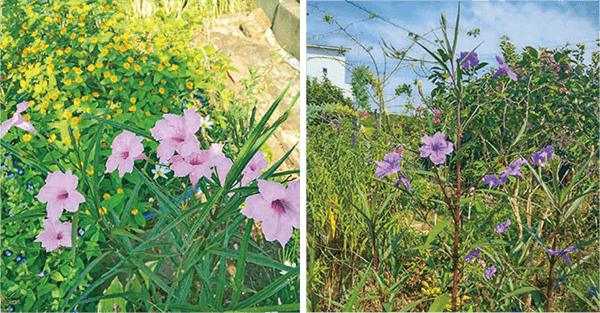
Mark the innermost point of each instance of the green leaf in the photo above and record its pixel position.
(441, 224)
(356, 291)
(238, 281)
(110, 305)
(518, 292)
(269, 290)
(440, 303)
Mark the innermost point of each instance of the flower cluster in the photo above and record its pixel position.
(60, 192)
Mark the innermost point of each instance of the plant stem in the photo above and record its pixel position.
(551, 267)
(376, 260)
(457, 207)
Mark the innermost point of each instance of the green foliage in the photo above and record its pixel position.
(89, 70)
(324, 92)
(360, 79)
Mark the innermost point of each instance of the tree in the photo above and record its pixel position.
(324, 92)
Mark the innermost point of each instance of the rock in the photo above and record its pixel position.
(256, 24)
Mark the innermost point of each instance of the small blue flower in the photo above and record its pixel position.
(4, 165)
(42, 274)
(20, 171)
(7, 155)
(30, 186)
(204, 104)
(10, 174)
(80, 232)
(75, 311)
(10, 308)
(10, 213)
(15, 163)
(593, 291)
(20, 259)
(7, 253)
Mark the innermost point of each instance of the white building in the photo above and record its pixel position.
(327, 60)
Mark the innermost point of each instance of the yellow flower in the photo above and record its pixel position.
(68, 49)
(134, 211)
(133, 100)
(144, 59)
(67, 115)
(27, 117)
(119, 190)
(52, 138)
(57, 106)
(106, 7)
(119, 111)
(104, 52)
(77, 101)
(91, 171)
(22, 32)
(141, 83)
(91, 67)
(59, 52)
(77, 136)
(106, 196)
(160, 68)
(224, 69)
(161, 90)
(95, 94)
(77, 70)
(102, 210)
(45, 104)
(99, 65)
(84, 98)
(114, 79)
(132, 108)
(27, 137)
(31, 103)
(189, 85)
(80, 39)
(68, 82)
(116, 38)
(8, 66)
(137, 68)
(65, 70)
(75, 120)
(43, 111)
(198, 72)
(106, 74)
(125, 79)
(78, 80)
(130, 59)
(165, 110)
(148, 113)
(55, 96)
(162, 81)
(126, 65)
(174, 67)
(63, 31)
(94, 39)
(217, 68)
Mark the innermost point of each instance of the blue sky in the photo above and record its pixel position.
(546, 23)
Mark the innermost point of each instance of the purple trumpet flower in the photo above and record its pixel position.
(563, 252)
(390, 165)
(492, 180)
(502, 227)
(404, 181)
(513, 169)
(504, 70)
(355, 122)
(436, 148)
(490, 272)
(338, 126)
(468, 62)
(474, 254)
(540, 157)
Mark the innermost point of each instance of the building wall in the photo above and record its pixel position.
(318, 59)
